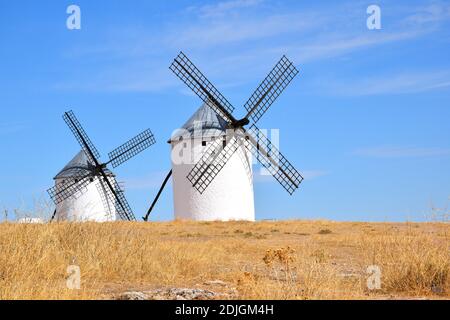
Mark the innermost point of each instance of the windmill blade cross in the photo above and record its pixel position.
(272, 159)
(59, 193)
(81, 136)
(131, 148)
(103, 191)
(201, 86)
(115, 195)
(216, 156)
(213, 160)
(270, 88)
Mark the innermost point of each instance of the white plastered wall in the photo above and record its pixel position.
(87, 205)
(228, 197)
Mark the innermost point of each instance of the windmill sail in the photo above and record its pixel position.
(61, 192)
(216, 156)
(81, 136)
(201, 86)
(269, 90)
(272, 159)
(211, 163)
(131, 148)
(114, 194)
(92, 170)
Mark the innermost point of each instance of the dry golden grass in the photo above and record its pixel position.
(263, 260)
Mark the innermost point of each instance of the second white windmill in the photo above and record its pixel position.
(216, 187)
(85, 190)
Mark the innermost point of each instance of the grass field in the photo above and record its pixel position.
(236, 260)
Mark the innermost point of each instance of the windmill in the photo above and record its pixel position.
(219, 152)
(86, 189)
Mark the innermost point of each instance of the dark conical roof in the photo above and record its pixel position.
(79, 166)
(205, 122)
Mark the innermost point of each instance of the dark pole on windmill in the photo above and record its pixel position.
(53, 216)
(157, 196)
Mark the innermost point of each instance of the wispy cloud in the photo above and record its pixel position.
(431, 13)
(258, 177)
(337, 45)
(136, 77)
(237, 32)
(223, 33)
(401, 152)
(313, 174)
(389, 83)
(313, 34)
(151, 180)
(12, 127)
(223, 8)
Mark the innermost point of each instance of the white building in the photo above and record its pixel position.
(30, 220)
(230, 194)
(92, 202)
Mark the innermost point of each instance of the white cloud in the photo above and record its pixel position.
(431, 13)
(136, 77)
(307, 175)
(332, 31)
(151, 180)
(225, 32)
(401, 152)
(226, 37)
(223, 8)
(439, 85)
(338, 45)
(389, 83)
(11, 127)
(313, 174)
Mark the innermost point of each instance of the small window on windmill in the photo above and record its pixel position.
(224, 142)
(204, 143)
(184, 145)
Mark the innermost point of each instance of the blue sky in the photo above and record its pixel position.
(366, 120)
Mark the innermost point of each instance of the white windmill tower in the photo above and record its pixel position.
(230, 197)
(90, 203)
(212, 152)
(85, 189)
